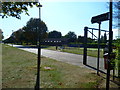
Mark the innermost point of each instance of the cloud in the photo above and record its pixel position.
(116, 33)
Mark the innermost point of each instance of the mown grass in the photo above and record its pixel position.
(75, 50)
(19, 71)
(16, 68)
(64, 75)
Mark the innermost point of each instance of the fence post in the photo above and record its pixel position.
(92, 33)
(85, 46)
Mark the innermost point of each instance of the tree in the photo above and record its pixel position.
(1, 35)
(105, 38)
(19, 36)
(14, 9)
(54, 34)
(72, 36)
(102, 39)
(29, 33)
(34, 28)
(80, 39)
(117, 13)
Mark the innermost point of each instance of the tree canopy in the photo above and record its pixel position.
(34, 28)
(1, 35)
(29, 33)
(72, 36)
(117, 13)
(14, 9)
(54, 34)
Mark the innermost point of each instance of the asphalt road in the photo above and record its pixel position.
(74, 59)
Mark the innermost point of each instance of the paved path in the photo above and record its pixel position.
(65, 57)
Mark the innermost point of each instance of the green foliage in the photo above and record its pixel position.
(117, 59)
(54, 34)
(103, 39)
(72, 36)
(34, 28)
(89, 40)
(14, 9)
(19, 36)
(118, 51)
(117, 14)
(1, 35)
(29, 33)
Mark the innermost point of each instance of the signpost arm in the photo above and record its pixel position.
(99, 32)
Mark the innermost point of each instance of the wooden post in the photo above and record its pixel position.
(110, 46)
(85, 46)
(92, 33)
(99, 32)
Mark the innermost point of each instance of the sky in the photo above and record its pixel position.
(61, 16)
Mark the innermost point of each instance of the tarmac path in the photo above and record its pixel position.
(74, 59)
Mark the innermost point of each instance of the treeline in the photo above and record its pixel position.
(34, 27)
(29, 33)
(1, 35)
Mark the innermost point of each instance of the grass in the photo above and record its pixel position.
(16, 67)
(19, 71)
(75, 50)
(64, 75)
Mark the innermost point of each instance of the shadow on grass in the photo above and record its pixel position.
(115, 77)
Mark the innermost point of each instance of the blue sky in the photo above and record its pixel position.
(60, 16)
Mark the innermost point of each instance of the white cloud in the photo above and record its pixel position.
(116, 32)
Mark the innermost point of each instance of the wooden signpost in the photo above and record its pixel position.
(98, 19)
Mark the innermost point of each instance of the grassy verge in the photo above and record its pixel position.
(62, 75)
(19, 71)
(75, 50)
(16, 67)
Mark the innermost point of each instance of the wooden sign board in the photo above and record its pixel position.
(100, 18)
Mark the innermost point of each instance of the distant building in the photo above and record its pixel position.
(55, 41)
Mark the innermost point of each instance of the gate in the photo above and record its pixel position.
(94, 37)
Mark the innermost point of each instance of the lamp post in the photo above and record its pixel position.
(37, 86)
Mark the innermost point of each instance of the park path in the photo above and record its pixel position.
(74, 59)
